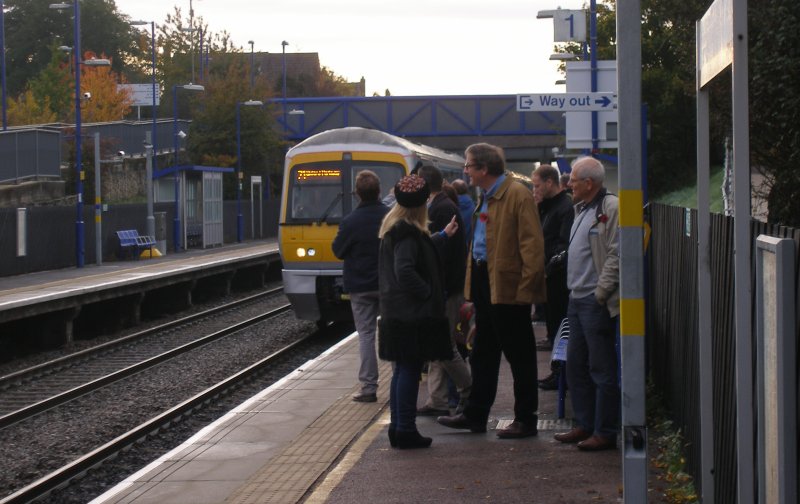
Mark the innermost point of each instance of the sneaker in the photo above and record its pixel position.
(364, 397)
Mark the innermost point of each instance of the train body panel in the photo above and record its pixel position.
(318, 191)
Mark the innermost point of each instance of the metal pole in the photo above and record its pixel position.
(252, 65)
(593, 63)
(283, 47)
(148, 147)
(631, 239)
(3, 48)
(704, 323)
(153, 135)
(239, 219)
(176, 229)
(79, 231)
(191, 35)
(98, 203)
(742, 242)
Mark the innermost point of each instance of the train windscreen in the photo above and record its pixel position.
(324, 192)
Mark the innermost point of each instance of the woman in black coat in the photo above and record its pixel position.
(413, 327)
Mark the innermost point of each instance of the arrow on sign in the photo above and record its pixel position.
(604, 101)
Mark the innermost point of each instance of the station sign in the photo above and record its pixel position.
(141, 94)
(566, 102)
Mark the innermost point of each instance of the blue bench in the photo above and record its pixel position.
(131, 240)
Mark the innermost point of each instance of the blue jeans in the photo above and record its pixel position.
(592, 367)
(403, 395)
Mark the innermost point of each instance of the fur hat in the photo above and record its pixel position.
(411, 191)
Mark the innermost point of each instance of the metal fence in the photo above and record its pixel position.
(50, 236)
(673, 336)
(29, 154)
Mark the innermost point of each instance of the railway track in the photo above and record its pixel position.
(77, 468)
(31, 391)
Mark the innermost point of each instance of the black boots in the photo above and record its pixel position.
(408, 440)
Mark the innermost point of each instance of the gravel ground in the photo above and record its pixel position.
(33, 448)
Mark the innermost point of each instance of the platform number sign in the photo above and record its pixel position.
(569, 25)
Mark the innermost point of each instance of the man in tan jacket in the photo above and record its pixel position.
(505, 275)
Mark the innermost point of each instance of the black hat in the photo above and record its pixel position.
(411, 191)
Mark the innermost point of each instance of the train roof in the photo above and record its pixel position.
(359, 138)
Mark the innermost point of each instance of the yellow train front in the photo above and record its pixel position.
(318, 191)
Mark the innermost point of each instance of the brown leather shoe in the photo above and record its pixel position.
(574, 436)
(518, 430)
(597, 443)
(461, 421)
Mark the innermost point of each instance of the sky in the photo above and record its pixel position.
(411, 47)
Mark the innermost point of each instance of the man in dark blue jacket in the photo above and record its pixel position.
(357, 244)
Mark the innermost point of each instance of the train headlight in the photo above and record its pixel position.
(312, 252)
(301, 252)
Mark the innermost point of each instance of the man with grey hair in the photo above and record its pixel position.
(593, 279)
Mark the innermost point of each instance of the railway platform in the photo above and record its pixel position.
(304, 440)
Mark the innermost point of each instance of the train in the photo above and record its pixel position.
(318, 191)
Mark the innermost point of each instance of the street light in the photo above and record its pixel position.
(151, 223)
(239, 218)
(252, 65)
(176, 235)
(283, 47)
(563, 57)
(79, 231)
(3, 48)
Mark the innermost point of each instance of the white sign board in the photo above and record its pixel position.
(568, 25)
(142, 94)
(255, 179)
(563, 102)
(715, 40)
(579, 124)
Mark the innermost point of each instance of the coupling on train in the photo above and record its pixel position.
(318, 191)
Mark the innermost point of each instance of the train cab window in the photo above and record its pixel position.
(389, 173)
(316, 193)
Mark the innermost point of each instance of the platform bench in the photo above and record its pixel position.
(131, 240)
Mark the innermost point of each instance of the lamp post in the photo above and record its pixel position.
(3, 48)
(151, 223)
(79, 230)
(239, 176)
(252, 65)
(283, 47)
(176, 235)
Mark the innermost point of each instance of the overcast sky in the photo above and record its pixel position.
(411, 47)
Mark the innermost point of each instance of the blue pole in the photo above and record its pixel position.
(239, 219)
(3, 47)
(176, 228)
(79, 232)
(593, 59)
(283, 46)
(153, 44)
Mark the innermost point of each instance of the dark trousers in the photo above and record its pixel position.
(592, 367)
(557, 301)
(403, 393)
(501, 329)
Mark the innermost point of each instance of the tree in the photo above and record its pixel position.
(55, 85)
(27, 109)
(33, 31)
(108, 102)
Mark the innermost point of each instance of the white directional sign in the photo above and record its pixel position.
(141, 94)
(566, 102)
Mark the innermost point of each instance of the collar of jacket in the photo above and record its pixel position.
(595, 201)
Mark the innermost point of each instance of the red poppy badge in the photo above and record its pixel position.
(484, 217)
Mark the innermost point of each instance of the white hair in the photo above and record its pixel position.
(589, 167)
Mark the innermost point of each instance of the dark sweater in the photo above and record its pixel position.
(357, 244)
(556, 215)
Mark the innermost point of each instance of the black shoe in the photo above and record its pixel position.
(544, 346)
(409, 440)
(462, 422)
(362, 397)
(549, 383)
(431, 411)
(518, 430)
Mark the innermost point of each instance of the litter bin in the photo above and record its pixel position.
(161, 231)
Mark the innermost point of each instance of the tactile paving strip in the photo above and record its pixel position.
(289, 475)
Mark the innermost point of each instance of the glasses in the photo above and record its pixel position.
(471, 165)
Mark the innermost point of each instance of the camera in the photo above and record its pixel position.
(121, 153)
(87, 95)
